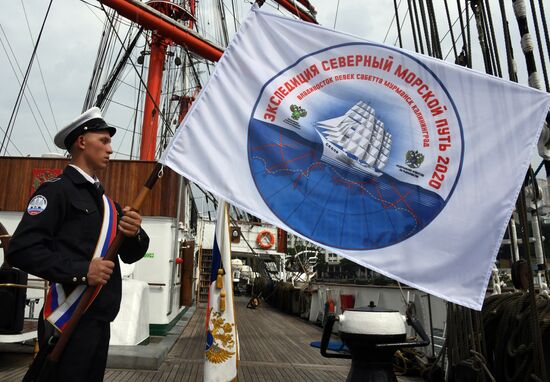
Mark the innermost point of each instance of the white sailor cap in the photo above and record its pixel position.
(90, 120)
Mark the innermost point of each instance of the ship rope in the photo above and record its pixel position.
(111, 22)
(465, 351)
(15, 110)
(477, 9)
(539, 43)
(489, 23)
(109, 85)
(46, 92)
(399, 26)
(42, 125)
(17, 73)
(425, 28)
(233, 13)
(436, 45)
(545, 28)
(418, 29)
(136, 111)
(512, 74)
(448, 16)
(459, 59)
(468, 34)
(411, 19)
(463, 58)
(336, 15)
(507, 325)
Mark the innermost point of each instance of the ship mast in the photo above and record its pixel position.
(165, 20)
(170, 24)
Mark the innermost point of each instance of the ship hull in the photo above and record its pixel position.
(335, 156)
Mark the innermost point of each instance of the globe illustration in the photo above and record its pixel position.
(325, 174)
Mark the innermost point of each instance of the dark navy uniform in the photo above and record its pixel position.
(55, 240)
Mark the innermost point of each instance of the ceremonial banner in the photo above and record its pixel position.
(403, 163)
(222, 343)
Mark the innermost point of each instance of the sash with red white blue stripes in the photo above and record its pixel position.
(59, 308)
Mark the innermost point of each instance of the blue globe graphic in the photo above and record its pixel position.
(332, 205)
(327, 204)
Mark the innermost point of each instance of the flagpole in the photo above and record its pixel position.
(111, 254)
(221, 356)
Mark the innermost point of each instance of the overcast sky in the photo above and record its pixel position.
(69, 43)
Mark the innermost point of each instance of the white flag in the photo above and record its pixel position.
(400, 162)
(222, 343)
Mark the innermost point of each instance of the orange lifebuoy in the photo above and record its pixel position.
(265, 239)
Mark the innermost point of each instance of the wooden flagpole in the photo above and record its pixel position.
(111, 254)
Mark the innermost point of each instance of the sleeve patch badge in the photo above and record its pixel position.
(37, 205)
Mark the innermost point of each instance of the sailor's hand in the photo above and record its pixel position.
(130, 222)
(99, 271)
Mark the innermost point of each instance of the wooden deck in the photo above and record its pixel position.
(274, 347)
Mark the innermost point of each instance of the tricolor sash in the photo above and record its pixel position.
(59, 308)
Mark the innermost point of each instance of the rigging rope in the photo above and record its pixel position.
(436, 46)
(336, 16)
(107, 87)
(412, 25)
(506, 319)
(234, 15)
(46, 141)
(468, 36)
(477, 9)
(160, 113)
(526, 43)
(544, 26)
(418, 28)
(103, 48)
(512, 73)
(402, 24)
(13, 117)
(463, 57)
(464, 345)
(489, 21)
(425, 26)
(12, 143)
(396, 7)
(223, 23)
(539, 43)
(448, 14)
(138, 99)
(41, 73)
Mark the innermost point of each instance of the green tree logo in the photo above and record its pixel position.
(297, 112)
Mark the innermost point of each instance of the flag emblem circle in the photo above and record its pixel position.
(329, 145)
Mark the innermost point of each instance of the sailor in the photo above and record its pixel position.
(60, 238)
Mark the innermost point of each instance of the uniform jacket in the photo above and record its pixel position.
(58, 242)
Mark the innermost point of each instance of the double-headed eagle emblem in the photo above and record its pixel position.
(414, 158)
(219, 339)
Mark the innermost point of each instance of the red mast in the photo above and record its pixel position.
(160, 16)
(298, 10)
(152, 100)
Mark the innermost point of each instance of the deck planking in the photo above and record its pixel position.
(274, 348)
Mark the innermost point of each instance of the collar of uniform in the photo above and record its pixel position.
(77, 175)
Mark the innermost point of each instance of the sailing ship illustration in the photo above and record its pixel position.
(356, 140)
